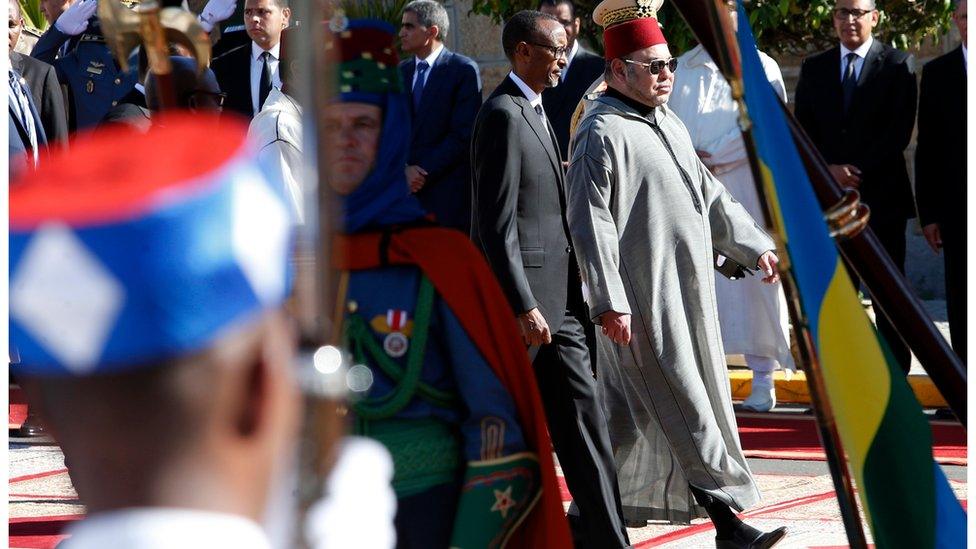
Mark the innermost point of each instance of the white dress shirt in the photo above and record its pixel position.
(256, 64)
(862, 53)
(535, 99)
(434, 54)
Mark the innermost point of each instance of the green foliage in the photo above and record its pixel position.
(31, 11)
(387, 10)
(782, 26)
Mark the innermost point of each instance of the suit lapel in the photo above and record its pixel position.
(872, 63)
(435, 81)
(540, 131)
(835, 91)
(246, 75)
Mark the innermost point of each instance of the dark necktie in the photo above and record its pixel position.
(418, 84)
(542, 116)
(264, 87)
(21, 107)
(850, 81)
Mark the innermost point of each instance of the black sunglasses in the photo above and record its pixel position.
(654, 67)
(218, 98)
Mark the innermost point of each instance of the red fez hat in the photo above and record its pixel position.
(630, 36)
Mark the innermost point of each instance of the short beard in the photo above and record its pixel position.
(648, 99)
(552, 82)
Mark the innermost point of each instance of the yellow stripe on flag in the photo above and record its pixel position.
(855, 370)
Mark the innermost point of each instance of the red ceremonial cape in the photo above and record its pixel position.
(462, 278)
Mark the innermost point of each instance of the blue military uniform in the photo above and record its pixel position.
(435, 403)
(94, 80)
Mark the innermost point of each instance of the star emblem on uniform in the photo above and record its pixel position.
(503, 501)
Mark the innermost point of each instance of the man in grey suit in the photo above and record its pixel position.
(519, 222)
(445, 89)
(582, 68)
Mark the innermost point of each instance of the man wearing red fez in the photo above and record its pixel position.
(646, 218)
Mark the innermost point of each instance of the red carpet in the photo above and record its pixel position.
(17, 408)
(782, 437)
(38, 532)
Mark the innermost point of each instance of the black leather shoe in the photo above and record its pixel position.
(747, 537)
(31, 427)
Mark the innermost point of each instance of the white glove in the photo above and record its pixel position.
(216, 11)
(74, 20)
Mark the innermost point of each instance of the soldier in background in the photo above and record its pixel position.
(454, 398)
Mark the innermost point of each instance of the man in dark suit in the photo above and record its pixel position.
(519, 222)
(25, 130)
(857, 103)
(249, 72)
(940, 172)
(446, 93)
(40, 78)
(582, 68)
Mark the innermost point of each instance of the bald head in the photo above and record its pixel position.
(196, 92)
(203, 431)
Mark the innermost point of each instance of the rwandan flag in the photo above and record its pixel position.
(904, 493)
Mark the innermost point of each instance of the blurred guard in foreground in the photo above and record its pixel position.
(146, 308)
(454, 399)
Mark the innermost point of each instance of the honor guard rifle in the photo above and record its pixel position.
(152, 28)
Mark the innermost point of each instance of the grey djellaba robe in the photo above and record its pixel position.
(644, 235)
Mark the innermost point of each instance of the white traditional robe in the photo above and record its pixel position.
(276, 131)
(644, 237)
(753, 315)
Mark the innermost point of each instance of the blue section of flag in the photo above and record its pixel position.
(950, 519)
(811, 249)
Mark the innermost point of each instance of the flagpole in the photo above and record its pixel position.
(714, 18)
(888, 287)
(323, 365)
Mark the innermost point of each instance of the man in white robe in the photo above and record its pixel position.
(753, 316)
(645, 215)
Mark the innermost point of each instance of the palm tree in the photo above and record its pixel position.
(31, 11)
(387, 10)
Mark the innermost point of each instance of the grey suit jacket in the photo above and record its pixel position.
(519, 206)
(42, 80)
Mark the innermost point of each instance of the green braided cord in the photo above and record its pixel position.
(408, 383)
(426, 452)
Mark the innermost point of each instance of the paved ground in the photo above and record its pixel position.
(798, 494)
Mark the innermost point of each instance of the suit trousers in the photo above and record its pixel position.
(954, 248)
(891, 235)
(580, 435)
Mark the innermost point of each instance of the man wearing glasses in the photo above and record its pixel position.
(857, 103)
(519, 222)
(645, 216)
